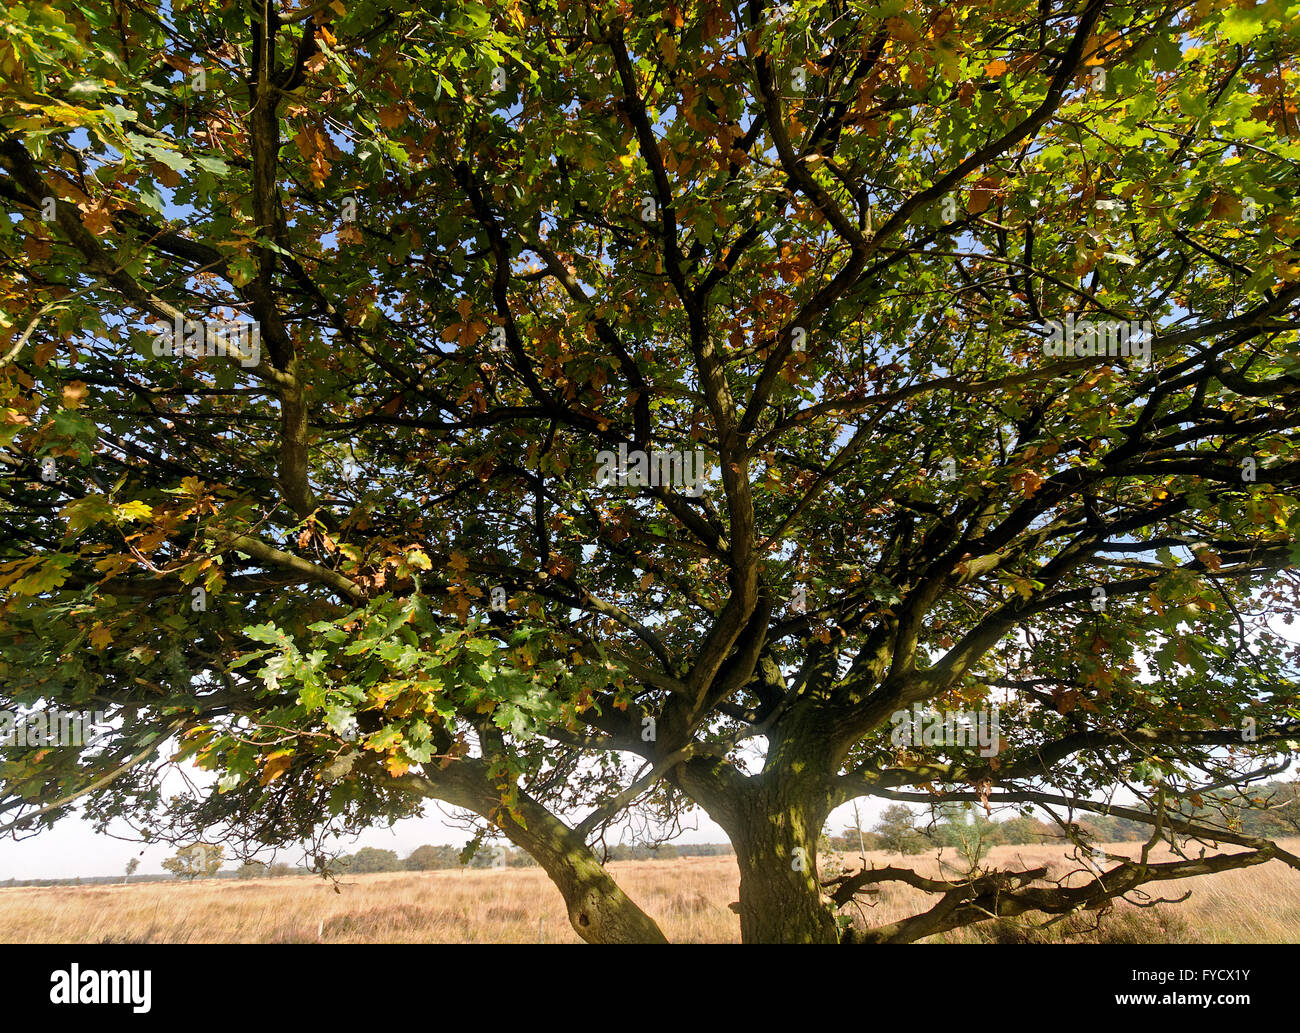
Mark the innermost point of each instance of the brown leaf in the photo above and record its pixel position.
(901, 29)
(97, 220)
(74, 393)
(166, 175)
(1225, 206)
(982, 194)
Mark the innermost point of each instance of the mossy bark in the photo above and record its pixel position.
(781, 899)
(599, 910)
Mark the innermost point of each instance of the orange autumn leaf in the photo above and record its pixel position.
(276, 765)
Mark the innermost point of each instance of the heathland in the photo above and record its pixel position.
(688, 896)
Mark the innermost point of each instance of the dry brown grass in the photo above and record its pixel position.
(688, 897)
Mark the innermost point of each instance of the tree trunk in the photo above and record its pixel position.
(774, 821)
(599, 910)
(781, 900)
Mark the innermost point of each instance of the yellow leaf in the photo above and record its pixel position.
(134, 510)
(74, 393)
(114, 565)
(276, 765)
(419, 558)
(100, 636)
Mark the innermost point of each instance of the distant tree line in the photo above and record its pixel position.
(430, 858)
(901, 831)
(262, 870)
(1270, 810)
(665, 851)
(425, 858)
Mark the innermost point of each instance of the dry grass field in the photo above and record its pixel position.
(688, 897)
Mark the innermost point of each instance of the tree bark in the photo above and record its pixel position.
(781, 899)
(599, 910)
(774, 821)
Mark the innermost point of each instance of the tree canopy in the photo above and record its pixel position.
(946, 354)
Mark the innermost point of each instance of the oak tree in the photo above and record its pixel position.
(571, 410)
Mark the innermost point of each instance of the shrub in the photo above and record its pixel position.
(371, 859)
